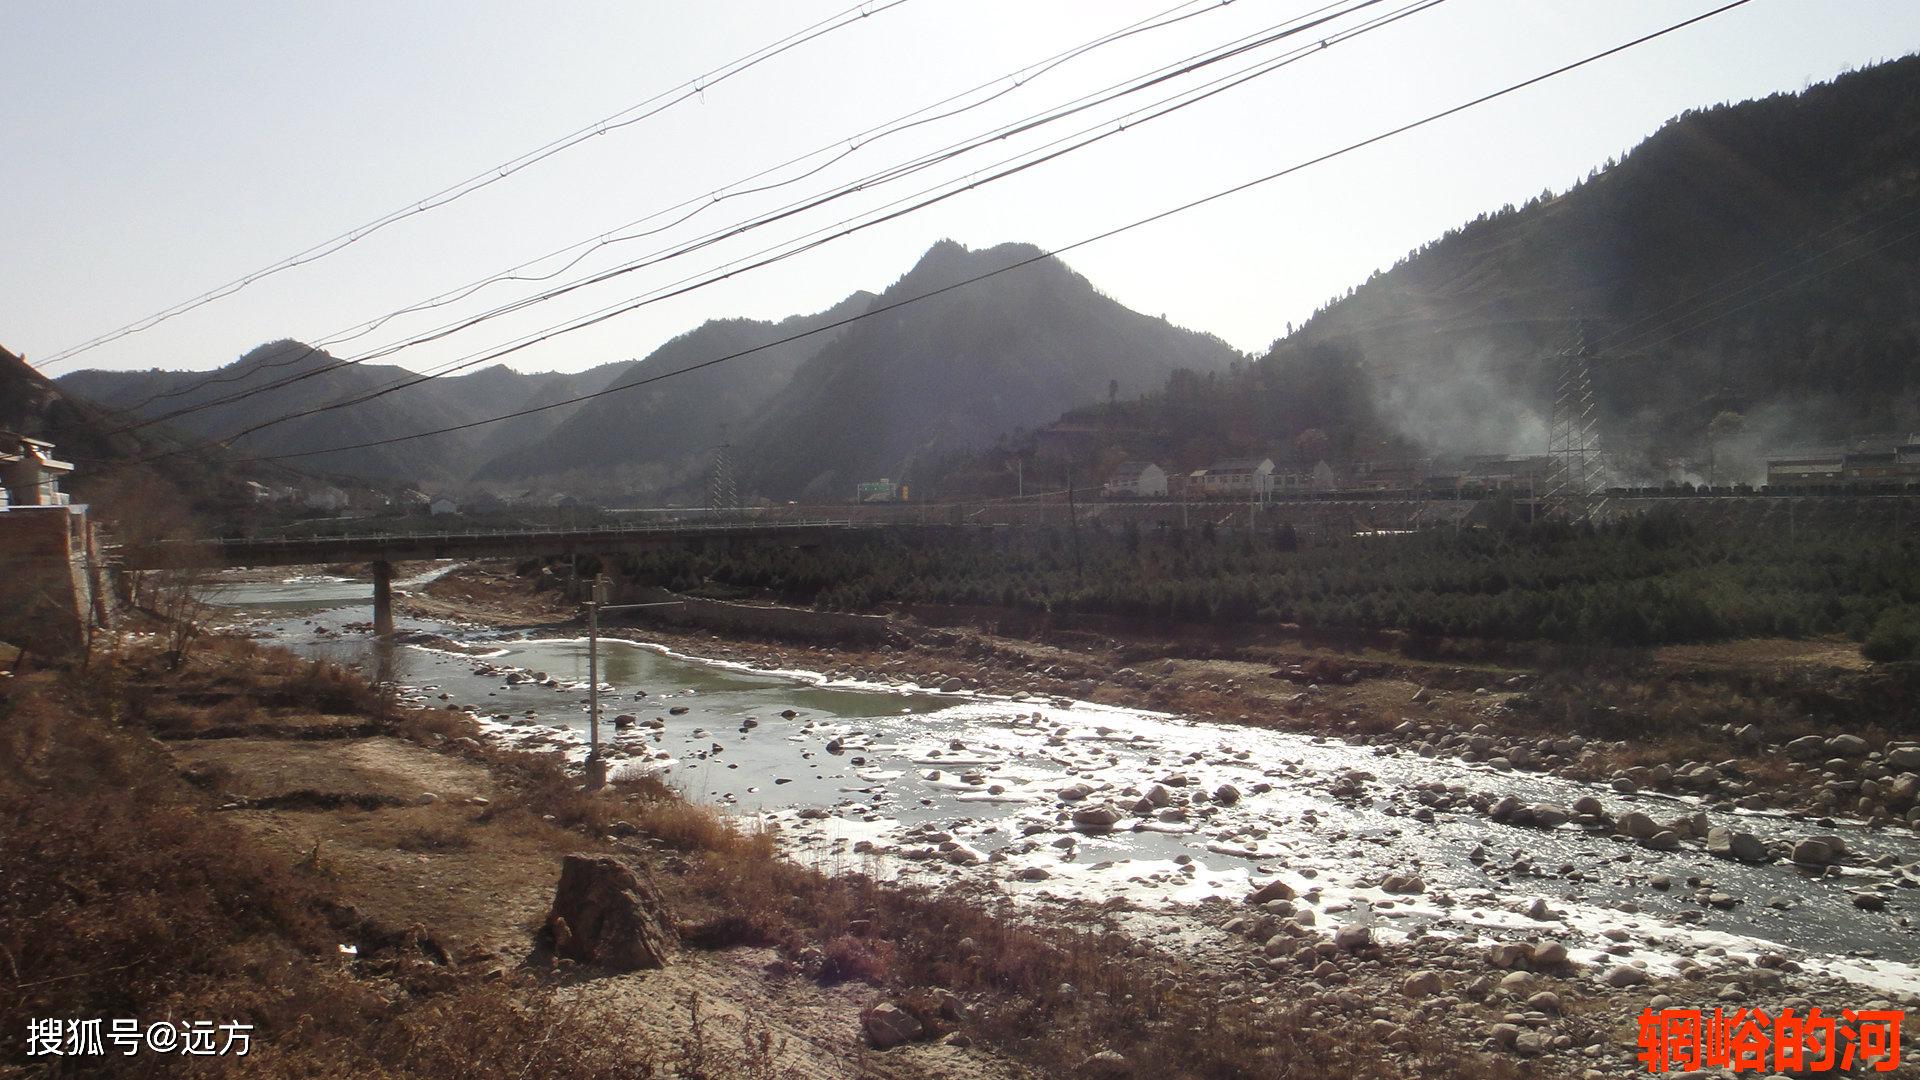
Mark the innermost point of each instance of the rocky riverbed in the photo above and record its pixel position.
(1427, 875)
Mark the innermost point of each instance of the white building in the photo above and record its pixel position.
(1136, 480)
(443, 504)
(1238, 478)
(29, 473)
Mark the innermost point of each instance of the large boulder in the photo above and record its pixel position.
(606, 913)
(1847, 746)
(1277, 889)
(1819, 850)
(1730, 844)
(888, 1025)
(1637, 825)
(1806, 747)
(1096, 819)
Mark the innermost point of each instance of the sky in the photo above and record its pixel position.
(156, 151)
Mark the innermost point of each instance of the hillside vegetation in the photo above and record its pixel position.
(1651, 580)
(1757, 258)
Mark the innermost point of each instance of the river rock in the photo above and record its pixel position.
(1550, 815)
(1847, 746)
(1504, 955)
(1074, 792)
(1903, 757)
(1817, 851)
(1403, 884)
(1105, 1065)
(1637, 825)
(1422, 984)
(888, 1025)
(1664, 840)
(1226, 794)
(1276, 889)
(1098, 818)
(1729, 844)
(1353, 936)
(1588, 806)
(606, 912)
(1548, 954)
(1621, 976)
(1806, 748)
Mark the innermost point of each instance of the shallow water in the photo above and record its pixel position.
(909, 770)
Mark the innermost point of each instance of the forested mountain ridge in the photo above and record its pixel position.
(811, 405)
(443, 402)
(658, 437)
(1756, 258)
(954, 372)
(109, 461)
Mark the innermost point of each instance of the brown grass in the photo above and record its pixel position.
(124, 896)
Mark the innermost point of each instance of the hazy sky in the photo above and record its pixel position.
(157, 150)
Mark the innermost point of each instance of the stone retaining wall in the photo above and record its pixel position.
(764, 619)
(52, 584)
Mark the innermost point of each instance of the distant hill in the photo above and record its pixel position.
(1761, 259)
(903, 389)
(108, 462)
(442, 402)
(658, 438)
(810, 416)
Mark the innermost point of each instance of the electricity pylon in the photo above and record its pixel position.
(1576, 466)
(722, 492)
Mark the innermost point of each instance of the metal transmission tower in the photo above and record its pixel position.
(722, 492)
(1576, 467)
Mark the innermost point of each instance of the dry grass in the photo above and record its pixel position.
(124, 896)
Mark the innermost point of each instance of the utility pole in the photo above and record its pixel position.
(596, 768)
(1073, 519)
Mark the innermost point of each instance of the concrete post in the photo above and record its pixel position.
(383, 598)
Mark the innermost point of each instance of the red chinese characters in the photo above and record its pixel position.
(1753, 1039)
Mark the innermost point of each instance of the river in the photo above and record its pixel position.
(933, 787)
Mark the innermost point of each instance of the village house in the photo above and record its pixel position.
(1237, 478)
(443, 504)
(29, 473)
(1136, 480)
(53, 587)
(1298, 477)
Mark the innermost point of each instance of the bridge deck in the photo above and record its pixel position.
(393, 547)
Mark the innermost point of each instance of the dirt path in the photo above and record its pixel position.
(430, 838)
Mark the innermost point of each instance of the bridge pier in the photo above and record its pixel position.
(383, 598)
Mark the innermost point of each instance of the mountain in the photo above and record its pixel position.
(321, 379)
(110, 464)
(1757, 259)
(658, 438)
(809, 405)
(906, 387)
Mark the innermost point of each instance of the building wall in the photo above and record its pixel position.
(52, 586)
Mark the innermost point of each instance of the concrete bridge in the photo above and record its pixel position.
(382, 550)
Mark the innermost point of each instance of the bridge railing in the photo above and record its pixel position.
(608, 531)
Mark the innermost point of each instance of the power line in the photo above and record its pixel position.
(1150, 219)
(850, 225)
(633, 114)
(838, 150)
